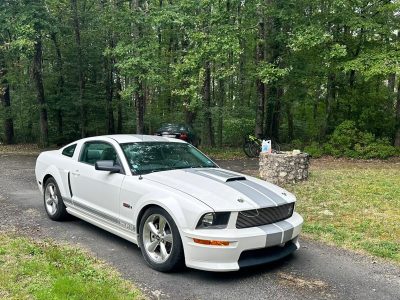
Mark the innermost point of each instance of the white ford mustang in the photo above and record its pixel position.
(174, 202)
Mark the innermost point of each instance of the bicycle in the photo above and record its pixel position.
(252, 146)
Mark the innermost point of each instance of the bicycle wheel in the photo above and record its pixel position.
(251, 149)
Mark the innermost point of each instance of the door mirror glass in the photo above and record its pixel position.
(107, 165)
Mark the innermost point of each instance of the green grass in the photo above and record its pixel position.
(353, 206)
(224, 152)
(45, 270)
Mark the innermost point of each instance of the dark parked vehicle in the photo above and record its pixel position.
(179, 131)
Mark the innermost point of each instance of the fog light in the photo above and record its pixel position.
(211, 243)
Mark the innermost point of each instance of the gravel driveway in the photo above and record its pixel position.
(316, 271)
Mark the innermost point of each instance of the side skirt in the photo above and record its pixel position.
(132, 237)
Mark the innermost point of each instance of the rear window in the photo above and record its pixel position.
(173, 128)
(69, 151)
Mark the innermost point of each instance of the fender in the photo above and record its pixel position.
(56, 174)
(183, 208)
(183, 219)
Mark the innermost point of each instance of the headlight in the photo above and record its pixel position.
(212, 220)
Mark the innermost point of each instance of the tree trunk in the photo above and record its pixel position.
(260, 85)
(276, 116)
(329, 100)
(119, 103)
(397, 132)
(220, 123)
(5, 102)
(109, 85)
(38, 80)
(190, 116)
(60, 85)
(140, 100)
(139, 95)
(208, 136)
(81, 75)
(289, 116)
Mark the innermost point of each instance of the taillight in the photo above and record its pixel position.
(183, 136)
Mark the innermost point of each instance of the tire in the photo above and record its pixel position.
(169, 239)
(251, 149)
(53, 202)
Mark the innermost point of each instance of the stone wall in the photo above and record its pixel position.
(284, 167)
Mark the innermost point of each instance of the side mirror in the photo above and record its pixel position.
(107, 165)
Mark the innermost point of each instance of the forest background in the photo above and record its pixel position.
(321, 75)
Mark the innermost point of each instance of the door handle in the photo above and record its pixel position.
(76, 173)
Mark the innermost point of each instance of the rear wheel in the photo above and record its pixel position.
(159, 240)
(251, 149)
(53, 202)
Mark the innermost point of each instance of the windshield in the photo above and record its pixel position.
(147, 157)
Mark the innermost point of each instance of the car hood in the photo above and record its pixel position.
(223, 190)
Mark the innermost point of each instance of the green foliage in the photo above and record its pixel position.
(315, 150)
(323, 63)
(348, 141)
(380, 148)
(343, 139)
(236, 129)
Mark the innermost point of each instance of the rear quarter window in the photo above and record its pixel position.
(69, 151)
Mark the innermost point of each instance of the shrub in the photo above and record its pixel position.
(348, 141)
(235, 130)
(343, 138)
(296, 144)
(315, 150)
(381, 148)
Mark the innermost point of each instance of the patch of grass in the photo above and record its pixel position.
(224, 152)
(353, 207)
(45, 270)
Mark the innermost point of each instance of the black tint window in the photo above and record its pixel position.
(94, 151)
(69, 151)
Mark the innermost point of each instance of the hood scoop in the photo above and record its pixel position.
(220, 175)
(235, 178)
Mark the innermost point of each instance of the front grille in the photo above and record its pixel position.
(264, 216)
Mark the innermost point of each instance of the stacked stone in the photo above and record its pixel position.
(284, 167)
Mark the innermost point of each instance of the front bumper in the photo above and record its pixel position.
(273, 241)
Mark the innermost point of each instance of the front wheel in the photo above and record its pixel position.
(159, 240)
(53, 201)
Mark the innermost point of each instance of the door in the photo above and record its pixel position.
(97, 192)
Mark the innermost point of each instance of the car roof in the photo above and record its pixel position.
(137, 138)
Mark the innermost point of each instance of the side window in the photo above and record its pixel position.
(94, 151)
(69, 151)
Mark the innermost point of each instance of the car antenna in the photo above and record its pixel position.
(140, 177)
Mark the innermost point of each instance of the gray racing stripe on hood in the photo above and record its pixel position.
(223, 172)
(255, 192)
(219, 173)
(213, 174)
(276, 197)
(255, 195)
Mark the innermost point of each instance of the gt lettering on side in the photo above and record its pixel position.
(128, 226)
